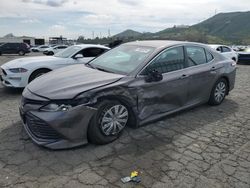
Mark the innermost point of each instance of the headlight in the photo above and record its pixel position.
(18, 70)
(53, 107)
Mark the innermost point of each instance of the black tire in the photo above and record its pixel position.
(21, 53)
(213, 100)
(51, 53)
(38, 73)
(0, 53)
(96, 134)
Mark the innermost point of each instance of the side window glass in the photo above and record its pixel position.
(196, 56)
(218, 49)
(225, 49)
(168, 61)
(92, 52)
(210, 57)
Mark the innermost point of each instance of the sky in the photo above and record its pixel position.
(71, 18)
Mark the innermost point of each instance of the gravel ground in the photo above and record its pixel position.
(203, 147)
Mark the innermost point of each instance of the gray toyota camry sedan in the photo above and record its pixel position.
(130, 85)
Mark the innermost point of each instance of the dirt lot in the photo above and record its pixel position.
(203, 147)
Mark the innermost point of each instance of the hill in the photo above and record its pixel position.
(234, 26)
(228, 28)
(128, 34)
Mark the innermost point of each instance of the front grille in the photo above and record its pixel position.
(40, 129)
(3, 71)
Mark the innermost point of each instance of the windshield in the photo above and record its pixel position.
(68, 52)
(123, 59)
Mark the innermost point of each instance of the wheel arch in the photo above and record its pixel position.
(133, 121)
(38, 69)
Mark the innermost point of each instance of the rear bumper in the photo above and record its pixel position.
(231, 78)
(58, 130)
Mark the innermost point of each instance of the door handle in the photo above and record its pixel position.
(184, 76)
(213, 68)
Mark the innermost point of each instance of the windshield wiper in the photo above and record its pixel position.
(104, 70)
(89, 65)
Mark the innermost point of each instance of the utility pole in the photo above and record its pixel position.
(93, 35)
(108, 32)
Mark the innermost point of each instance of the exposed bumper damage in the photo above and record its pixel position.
(55, 130)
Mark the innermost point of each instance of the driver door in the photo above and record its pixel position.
(168, 94)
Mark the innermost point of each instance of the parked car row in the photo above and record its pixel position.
(39, 48)
(23, 48)
(54, 49)
(130, 85)
(19, 72)
(14, 48)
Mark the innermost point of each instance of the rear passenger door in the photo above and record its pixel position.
(201, 71)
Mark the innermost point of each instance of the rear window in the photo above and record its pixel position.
(225, 49)
(24, 45)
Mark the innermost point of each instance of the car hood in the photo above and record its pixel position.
(67, 82)
(22, 62)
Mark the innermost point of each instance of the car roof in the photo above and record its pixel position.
(91, 45)
(159, 44)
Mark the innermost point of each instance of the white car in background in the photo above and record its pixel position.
(226, 51)
(55, 49)
(19, 72)
(40, 48)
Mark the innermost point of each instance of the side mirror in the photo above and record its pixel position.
(153, 76)
(77, 56)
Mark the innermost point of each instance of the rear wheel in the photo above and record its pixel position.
(219, 92)
(21, 52)
(108, 122)
(38, 73)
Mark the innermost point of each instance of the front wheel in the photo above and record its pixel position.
(108, 122)
(219, 92)
(37, 73)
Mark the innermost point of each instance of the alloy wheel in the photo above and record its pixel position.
(220, 92)
(114, 120)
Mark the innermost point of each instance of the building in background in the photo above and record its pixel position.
(29, 40)
(61, 40)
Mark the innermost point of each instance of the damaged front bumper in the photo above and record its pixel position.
(59, 129)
